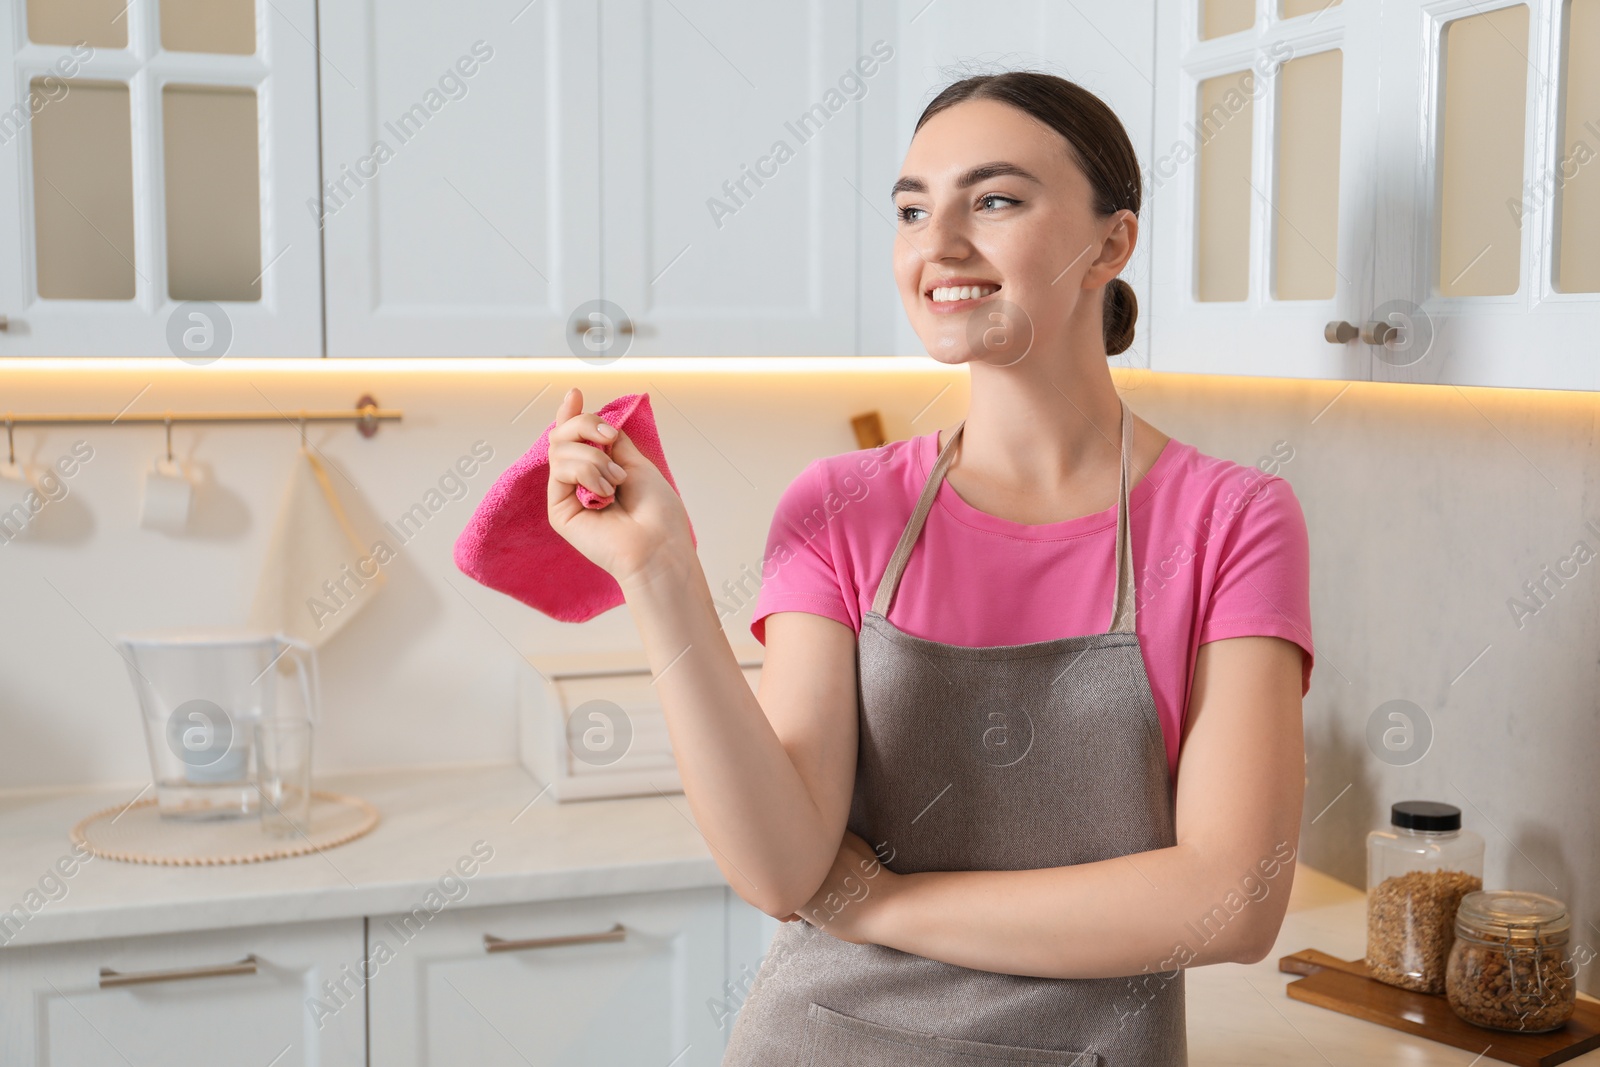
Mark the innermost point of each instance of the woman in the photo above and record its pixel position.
(993, 843)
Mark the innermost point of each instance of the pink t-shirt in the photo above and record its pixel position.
(1219, 550)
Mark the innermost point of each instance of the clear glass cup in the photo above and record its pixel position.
(283, 755)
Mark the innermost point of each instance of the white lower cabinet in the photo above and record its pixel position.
(221, 996)
(645, 978)
(603, 980)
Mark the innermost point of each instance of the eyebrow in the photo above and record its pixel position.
(982, 172)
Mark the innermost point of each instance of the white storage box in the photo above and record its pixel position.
(591, 725)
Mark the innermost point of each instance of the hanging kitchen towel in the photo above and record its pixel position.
(510, 546)
(316, 575)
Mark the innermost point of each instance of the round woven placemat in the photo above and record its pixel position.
(137, 833)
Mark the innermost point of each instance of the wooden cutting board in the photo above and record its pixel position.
(1344, 986)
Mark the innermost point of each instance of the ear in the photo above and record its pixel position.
(1119, 235)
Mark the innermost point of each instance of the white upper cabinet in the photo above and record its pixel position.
(1262, 182)
(1389, 192)
(155, 163)
(1488, 226)
(496, 172)
(460, 164)
(1346, 189)
(728, 171)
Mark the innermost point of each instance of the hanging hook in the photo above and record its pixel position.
(11, 444)
(169, 437)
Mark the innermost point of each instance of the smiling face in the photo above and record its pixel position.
(1000, 249)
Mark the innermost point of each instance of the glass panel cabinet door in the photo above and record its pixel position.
(1489, 207)
(155, 162)
(1261, 185)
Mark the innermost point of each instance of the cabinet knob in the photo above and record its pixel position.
(1340, 332)
(1380, 333)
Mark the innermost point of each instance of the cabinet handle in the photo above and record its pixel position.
(5, 324)
(1380, 333)
(110, 978)
(580, 327)
(1340, 332)
(492, 943)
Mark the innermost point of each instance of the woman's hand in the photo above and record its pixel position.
(645, 526)
(850, 903)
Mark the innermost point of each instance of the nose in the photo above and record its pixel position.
(946, 237)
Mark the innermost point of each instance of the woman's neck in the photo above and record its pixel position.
(1041, 444)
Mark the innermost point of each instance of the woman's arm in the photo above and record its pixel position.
(1218, 895)
(768, 780)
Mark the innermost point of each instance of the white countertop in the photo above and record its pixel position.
(430, 819)
(1239, 1015)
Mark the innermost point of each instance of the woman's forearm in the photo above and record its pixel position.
(750, 803)
(1144, 913)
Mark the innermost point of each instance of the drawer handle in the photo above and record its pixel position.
(580, 327)
(110, 978)
(492, 943)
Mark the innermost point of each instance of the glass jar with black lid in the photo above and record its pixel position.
(1417, 873)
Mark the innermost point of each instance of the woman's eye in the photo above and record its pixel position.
(905, 213)
(990, 197)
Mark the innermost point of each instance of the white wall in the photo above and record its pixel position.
(1428, 509)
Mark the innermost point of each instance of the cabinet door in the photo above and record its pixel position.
(622, 979)
(1262, 181)
(59, 1006)
(1490, 205)
(730, 174)
(155, 164)
(460, 156)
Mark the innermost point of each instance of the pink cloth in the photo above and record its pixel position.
(1219, 550)
(509, 544)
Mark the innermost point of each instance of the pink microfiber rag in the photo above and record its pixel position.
(509, 544)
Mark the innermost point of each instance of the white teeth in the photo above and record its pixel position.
(947, 294)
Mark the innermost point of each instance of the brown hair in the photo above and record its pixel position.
(1099, 144)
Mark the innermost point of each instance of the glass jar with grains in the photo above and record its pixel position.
(1508, 967)
(1416, 877)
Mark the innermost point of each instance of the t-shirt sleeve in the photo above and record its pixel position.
(1263, 580)
(799, 571)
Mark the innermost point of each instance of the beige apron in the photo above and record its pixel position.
(1005, 757)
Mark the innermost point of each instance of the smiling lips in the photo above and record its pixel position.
(959, 294)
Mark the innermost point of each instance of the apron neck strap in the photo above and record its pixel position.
(1122, 614)
(908, 537)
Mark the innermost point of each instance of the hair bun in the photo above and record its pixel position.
(1120, 312)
